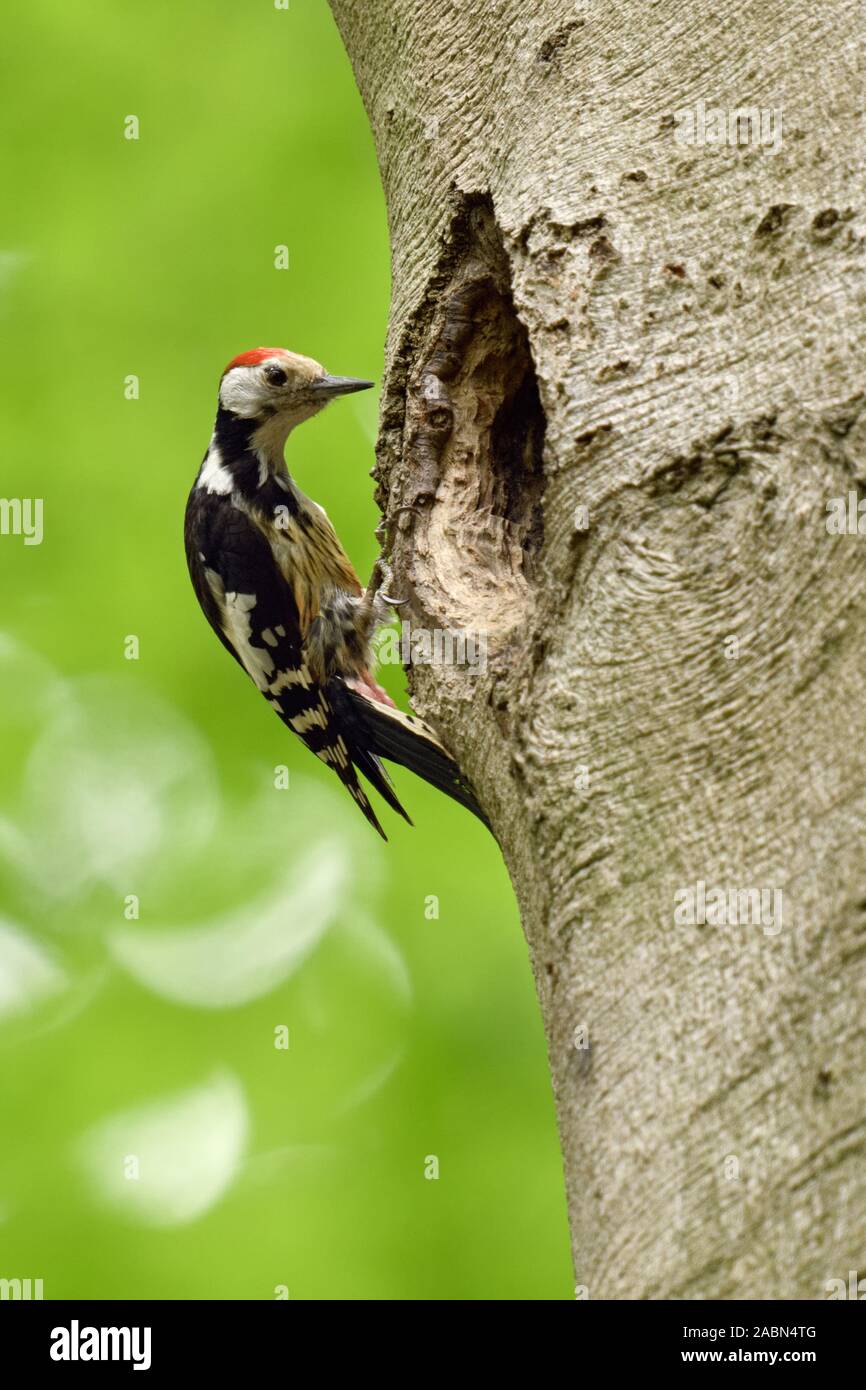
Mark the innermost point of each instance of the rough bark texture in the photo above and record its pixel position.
(625, 376)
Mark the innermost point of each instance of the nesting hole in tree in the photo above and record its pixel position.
(477, 439)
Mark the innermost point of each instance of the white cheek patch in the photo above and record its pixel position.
(214, 476)
(241, 392)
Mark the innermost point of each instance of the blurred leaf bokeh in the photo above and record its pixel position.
(170, 918)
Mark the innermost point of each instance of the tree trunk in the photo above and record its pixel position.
(626, 379)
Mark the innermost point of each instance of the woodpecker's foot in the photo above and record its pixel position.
(382, 609)
(383, 569)
(381, 580)
(375, 605)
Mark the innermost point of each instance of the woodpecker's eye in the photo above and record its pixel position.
(275, 375)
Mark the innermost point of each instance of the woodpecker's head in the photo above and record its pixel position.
(276, 390)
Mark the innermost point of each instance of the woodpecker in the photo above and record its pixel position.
(280, 593)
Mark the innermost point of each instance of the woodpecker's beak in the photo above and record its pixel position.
(340, 385)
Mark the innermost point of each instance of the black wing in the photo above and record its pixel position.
(252, 610)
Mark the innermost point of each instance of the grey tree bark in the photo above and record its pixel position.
(626, 375)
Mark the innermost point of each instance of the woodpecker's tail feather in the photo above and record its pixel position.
(377, 731)
(376, 774)
(349, 778)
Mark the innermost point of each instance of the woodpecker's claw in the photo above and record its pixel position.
(382, 573)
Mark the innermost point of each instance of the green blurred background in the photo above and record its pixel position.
(170, 917)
